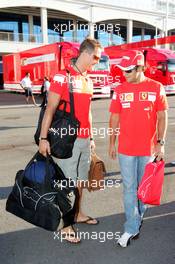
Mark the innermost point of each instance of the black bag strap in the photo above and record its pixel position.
(64, 103)
(48, 185)
(62, 111)
(48, 179)
(71, 96)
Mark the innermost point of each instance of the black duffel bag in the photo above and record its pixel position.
(63, 130)
(40, 198)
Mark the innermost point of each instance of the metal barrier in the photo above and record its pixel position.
(20, 37)
(34, 38)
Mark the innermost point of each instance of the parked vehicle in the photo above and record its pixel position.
(160, 64)
(47, 61)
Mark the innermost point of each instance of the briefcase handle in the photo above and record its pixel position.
(155, 159)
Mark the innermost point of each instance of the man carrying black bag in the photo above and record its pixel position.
(77, 166)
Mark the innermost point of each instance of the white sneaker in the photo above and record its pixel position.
(173, 162)
(124, 240)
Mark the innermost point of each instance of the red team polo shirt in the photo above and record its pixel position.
(137, 105)
(82, 91)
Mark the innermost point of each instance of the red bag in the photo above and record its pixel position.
(150, 187)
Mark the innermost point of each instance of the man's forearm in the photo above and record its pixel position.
(90, 122)
(113, 125)
(48, 116)
(162, 124)
(53, 102)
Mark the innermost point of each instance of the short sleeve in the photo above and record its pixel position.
(58, 84)
(115, 106)
(161, 102)
(22, 82)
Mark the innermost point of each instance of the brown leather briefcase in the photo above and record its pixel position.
(96, 173)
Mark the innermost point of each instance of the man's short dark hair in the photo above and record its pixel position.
(89, 44)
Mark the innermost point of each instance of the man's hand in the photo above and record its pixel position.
(44, 147)
(112, 152)
(159, 152)
(113, 125)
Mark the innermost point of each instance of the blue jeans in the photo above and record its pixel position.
(132, 170)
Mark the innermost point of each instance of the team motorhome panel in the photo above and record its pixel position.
(48, 60)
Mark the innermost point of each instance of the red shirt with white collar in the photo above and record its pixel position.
(82, 91)
(137, 105)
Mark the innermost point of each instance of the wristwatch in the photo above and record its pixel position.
(43, 138)
(161, 142)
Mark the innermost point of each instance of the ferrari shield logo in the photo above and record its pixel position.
(143, 96)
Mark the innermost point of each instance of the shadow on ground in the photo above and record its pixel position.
(156, 244)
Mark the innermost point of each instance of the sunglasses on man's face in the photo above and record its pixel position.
(95, 57)
(129, 71)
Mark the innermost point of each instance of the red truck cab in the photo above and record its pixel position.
(48, 60)
(160, 66)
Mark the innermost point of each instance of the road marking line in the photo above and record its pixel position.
(158, 216)
(16, 106)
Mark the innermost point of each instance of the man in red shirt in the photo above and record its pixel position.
(77, 166)
(138, 109)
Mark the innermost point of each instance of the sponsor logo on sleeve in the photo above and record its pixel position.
(114, 97)
(59, 78)
(162, 91)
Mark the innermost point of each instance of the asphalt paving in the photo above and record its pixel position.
(23, 243)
